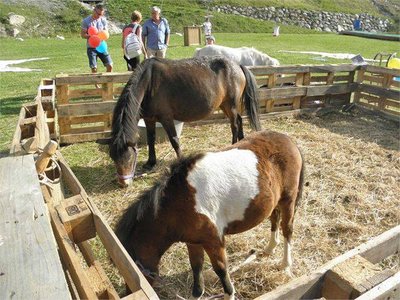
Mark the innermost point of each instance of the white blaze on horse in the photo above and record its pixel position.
(208, 195)
(243, 56)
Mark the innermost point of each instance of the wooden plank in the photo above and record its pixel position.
(87, 129)
(382, 70)
(352, 278)
(333, 68)
(107, 91)
(309, 286)
(88, 119)
(62, 94)
(375, 79)
(100, 282)
(342, 88)
(346, 78)
(330, 77)
(87, 137)
(30, 266)
(16, 142)
(282, 92)
(132, 275)
(80, 109)
(379, 91)
(42, 132)
(64, 125)
(389, 289)
(77, 219)
(68, 253)
(88, 78)
(81, 93)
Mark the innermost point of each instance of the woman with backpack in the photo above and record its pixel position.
(132, 43)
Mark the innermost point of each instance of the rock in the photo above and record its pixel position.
(3, 32)
(15, 20)
(60, 37)
(15, 32)
(319, 20)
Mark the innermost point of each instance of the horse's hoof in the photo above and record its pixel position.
(288, 272)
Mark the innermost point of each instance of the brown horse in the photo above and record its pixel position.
(186, 90)
(209, 195)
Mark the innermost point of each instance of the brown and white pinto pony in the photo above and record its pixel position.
(209, 195)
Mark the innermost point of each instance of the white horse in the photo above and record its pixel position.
(244, 56)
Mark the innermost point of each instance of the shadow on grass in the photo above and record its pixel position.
(97, 178)
(12, 105)
(365, 126)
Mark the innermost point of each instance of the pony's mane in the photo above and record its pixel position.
(126, 115)
(149, 202)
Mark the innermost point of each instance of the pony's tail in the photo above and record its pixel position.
(301, 182)
(250, 99)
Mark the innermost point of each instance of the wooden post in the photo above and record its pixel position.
(44, 157)
(359, 80)
(352, 278)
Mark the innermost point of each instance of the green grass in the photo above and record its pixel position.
(69, 57)
(180, 13)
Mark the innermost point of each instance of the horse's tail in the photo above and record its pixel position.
(301, 182)
(124, 128)
(250, 99)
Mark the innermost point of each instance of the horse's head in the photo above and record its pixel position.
(147, 260)
(125, 163)
(124, 157)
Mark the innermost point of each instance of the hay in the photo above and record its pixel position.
(350, 195)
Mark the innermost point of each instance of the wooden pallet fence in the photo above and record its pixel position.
(287, 88)
(85, 103)
(378, 90)
(75, 221)
(85, 112)
(46, 94)
(334, 281)
(32, 132)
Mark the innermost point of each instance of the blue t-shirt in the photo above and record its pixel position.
(357, 24)
(156, 34)
(100, 24)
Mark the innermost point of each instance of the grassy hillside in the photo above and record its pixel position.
(44, 19)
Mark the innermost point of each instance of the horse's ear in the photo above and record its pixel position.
(104, 141)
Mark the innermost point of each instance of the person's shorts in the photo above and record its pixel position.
(156, 52)
(93, 54)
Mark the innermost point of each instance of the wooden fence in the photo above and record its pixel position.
(379, 90)
(85, 104)
(84, 111)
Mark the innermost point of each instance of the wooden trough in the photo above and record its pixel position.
(71, 109)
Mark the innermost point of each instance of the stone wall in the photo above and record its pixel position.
(318, 20)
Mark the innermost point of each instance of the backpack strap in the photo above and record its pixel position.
(134, 27)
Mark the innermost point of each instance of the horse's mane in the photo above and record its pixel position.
(126, 114)
(150, 201)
